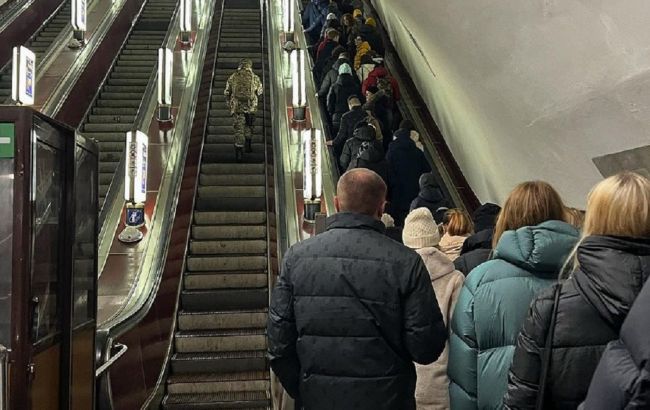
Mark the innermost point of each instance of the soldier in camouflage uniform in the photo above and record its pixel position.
(242, 89)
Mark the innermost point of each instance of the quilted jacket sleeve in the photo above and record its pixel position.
(282, 333)
(425, 333)
(463, 351)
(523, 378)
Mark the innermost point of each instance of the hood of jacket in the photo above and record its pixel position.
(437, 263)
(429, 189)
(451, 244)
(611, 274)
(634, 332)
(540, 250)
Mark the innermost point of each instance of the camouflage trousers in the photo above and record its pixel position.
(242, 130)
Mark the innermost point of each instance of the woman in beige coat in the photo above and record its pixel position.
(421, 234)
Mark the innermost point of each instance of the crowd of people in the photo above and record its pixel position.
(529, 306)
(532, 305)
(359, 99)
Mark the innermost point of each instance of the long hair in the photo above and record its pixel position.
(530, 203)
(458, 222)
(616, 206)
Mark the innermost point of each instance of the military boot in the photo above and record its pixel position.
(239, 153)
(249, 145)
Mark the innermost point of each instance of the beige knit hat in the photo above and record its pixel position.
(420, 230)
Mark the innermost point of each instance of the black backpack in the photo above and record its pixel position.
(357, 161)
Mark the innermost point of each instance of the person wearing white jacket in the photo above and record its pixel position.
(421, 234)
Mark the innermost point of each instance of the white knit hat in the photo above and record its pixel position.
(420, 230)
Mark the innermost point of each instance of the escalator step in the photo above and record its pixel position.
(222, 320)
(225, 263)
(257, 247)
(202, 383)
(228, 232)
(225, 280)
(224, 299)
(222, 340)
(229, 218)
(223, 400)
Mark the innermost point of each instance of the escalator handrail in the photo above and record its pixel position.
(119, 324)
(12, 12)
(116, 187)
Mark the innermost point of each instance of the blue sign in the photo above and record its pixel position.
(134, 217)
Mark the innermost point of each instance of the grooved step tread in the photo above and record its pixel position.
(219, 377)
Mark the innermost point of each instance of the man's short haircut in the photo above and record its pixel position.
(362, 191)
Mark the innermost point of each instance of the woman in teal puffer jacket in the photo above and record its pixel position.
(532, 242)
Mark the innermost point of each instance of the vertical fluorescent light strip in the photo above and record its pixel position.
(186, 15)
(78, 15)
(318, 170)
(14, 75)
(285, 17)
(295, 74)
(165, 68)
(307, 173)
(303, 91)
(130, 158)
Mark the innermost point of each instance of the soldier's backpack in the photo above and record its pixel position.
(358, 161)
(243, 85)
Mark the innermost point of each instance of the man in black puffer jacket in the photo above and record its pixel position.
(349, 121)
(593, 304)
(430, 195)
(353, 309)
(622, 379)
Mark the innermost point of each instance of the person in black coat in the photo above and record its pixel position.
(337, 100)
(622, 378)
(478, 247)
(406, 163)
(613, 263)
(349, 121)
(353, 309)
(381, 107)
(430, 195)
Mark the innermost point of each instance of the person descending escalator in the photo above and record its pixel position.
(242, 89)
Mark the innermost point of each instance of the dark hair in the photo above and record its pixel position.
(373, 89)
(332, 34)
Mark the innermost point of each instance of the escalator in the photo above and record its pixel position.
(219, 352)
(115, 108)
(39, 43)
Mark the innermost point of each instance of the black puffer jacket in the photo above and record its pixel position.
(349, 121)
(593, 304)
(362, 133)
(622, 379)
(475, 252)
(351, 312)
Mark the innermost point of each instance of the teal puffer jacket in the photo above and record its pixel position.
(492, 307)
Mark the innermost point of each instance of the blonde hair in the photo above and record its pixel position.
(458, 222)
(529, 204)
(619, 206)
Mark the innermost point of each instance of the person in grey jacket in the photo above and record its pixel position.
(352, 310)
